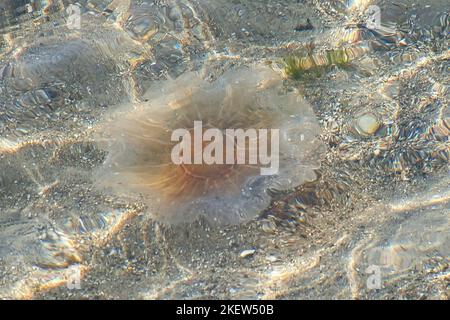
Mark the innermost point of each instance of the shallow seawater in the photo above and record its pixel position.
(371, 221)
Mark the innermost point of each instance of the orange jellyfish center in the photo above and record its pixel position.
(203, 170)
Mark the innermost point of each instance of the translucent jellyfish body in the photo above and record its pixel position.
(138, 139)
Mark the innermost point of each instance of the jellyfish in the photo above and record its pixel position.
(138, 139)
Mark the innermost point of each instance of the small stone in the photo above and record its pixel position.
(271, 258)
(367, 124)
(247, 253)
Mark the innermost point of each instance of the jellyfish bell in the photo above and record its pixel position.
(140, 145)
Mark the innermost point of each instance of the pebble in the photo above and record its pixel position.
(271, 258)
(367, 124)
(247, 253)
